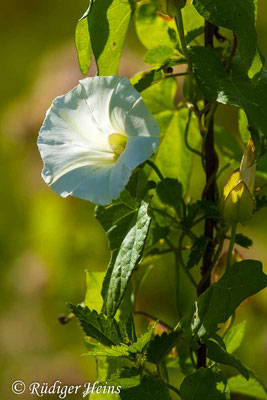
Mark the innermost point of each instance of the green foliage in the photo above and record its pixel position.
(160, 346)
(253, 387)
(123, 350)
(102, 328)
(234, 337)
(218, 302)
(239, 16)
(235, 89)
(170, 192)
(198, 249)
(127, 228)
(243, 240)
(150, 388)
(93, 298)
(218, 353)
(126, 378)
(213, 76)
(160, 100)
(83, 42)
(205, 383)
(104, 39)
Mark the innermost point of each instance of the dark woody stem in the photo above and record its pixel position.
(209, 194)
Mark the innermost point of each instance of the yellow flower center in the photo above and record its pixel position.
(117, 142)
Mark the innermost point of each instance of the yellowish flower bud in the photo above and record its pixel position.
(237, 198)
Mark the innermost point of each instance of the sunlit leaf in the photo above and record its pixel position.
(234, 337)
(218, 302)
(151, 388)
(127, 229)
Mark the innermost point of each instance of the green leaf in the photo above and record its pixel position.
(252, 387)
(160, 346)
(160, 100)
(145, 79)
(103, 29)
(234, 337)
(217, 353)
(193, 34)
(235, 89)
(170, 192)
(239, 16)
(123, 350)
(104, 329)
(93, 298)
(243, 241)
(127, 229)
(218, 302)
(83, 42)
(159, 55)
(205, 383)
(197, 251)
(126, 378)
(150, 388)
(148, 19)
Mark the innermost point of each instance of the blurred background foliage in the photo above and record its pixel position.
(47, 242)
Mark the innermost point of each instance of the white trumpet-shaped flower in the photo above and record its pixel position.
(94, 136)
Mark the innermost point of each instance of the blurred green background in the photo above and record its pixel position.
(47, 242)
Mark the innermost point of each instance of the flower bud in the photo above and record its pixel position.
(170, 7)
(237, 199)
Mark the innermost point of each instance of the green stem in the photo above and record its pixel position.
(186, 135)
(155, 168)
(231, 245)
(180, 27)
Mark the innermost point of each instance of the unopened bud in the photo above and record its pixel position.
(170, 7)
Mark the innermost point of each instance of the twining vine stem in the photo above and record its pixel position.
(209, 194)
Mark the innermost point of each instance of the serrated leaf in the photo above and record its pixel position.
(123, 350)
(194, 34)
(126, 378)
(104, 329)
(243, 240)
(160, 346)
(197, 252)
(205, 383)
(252, 387)
(217, 353)
(209, 209)
(93, 298)
(170, 192)
(150, 388)
(239, 16)
(234, 337)
(218, 302)
(235, 89)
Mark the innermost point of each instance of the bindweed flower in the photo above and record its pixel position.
(237, 199)
(94, 136)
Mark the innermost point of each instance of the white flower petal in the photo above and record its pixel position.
(128, 112)
(119, 177)
(138, 150)
(88, 183)
(98, 92)
(74, 139)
